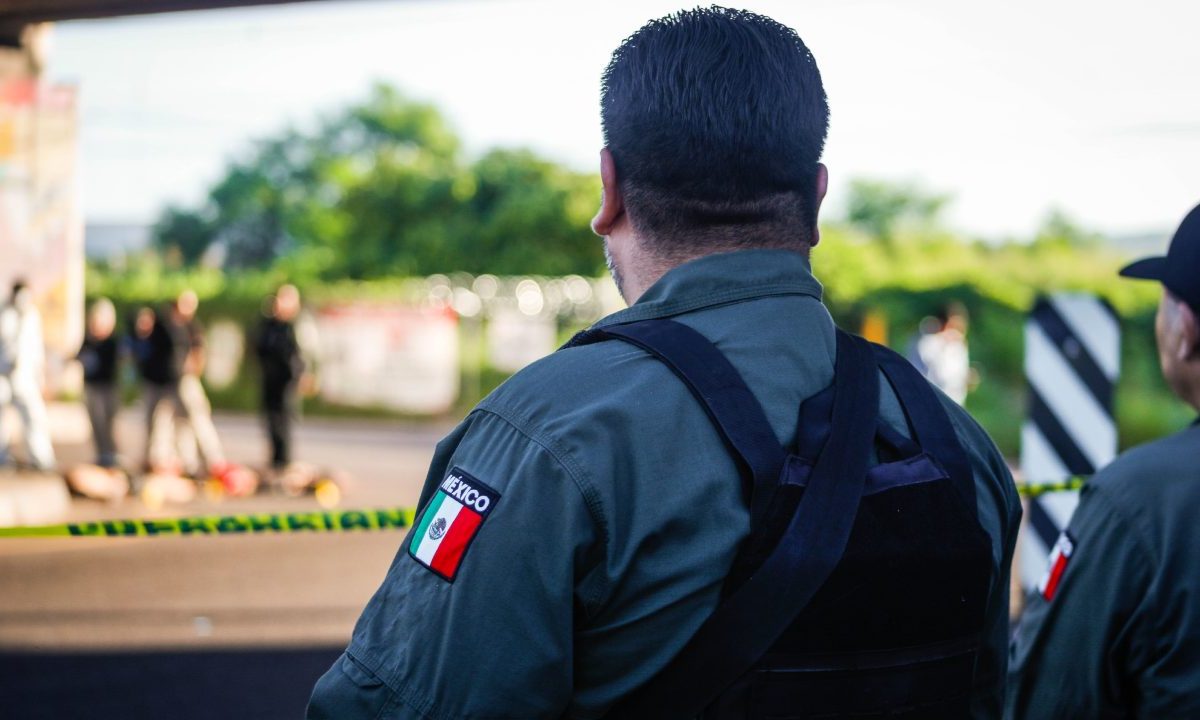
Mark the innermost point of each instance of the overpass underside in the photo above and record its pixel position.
(16, 15)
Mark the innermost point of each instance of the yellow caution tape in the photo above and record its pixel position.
(1036, 489)
(325, 521)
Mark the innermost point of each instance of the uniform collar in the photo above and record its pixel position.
(721, 279)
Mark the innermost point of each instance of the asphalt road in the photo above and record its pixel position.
(180, 627)
(260, 683)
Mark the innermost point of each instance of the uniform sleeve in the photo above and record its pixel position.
(491, 635)
(1071, 652)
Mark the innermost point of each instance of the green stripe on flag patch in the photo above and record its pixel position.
(430, 512)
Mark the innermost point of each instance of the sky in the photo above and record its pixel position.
(1013, 109)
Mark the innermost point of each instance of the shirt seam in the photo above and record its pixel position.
(574, 470)
(1143, 546)
(397, 694)
(675, 307)
(404, 694)
(1139, 538)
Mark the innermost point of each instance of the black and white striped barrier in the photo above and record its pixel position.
(1072, 361)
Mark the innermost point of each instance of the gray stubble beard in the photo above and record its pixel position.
(611, 263)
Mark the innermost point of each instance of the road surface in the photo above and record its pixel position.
(229, 626)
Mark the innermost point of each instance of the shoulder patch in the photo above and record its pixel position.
(1059, 557)
(450, 521)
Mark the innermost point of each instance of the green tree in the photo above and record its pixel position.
(187, 233)
(381, 189)
(879, 208)
(1059, 229)
(528, 212)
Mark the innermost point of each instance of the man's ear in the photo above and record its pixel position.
(1189, 333)
(612, 203)
(822, 186)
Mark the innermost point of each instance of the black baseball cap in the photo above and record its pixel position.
(1179, 270)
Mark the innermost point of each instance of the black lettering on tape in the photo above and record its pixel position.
(187, 526)
(160, 527)
(305, 521)
(354, 519)
(231, 524)
(259, 523)
(391, 518)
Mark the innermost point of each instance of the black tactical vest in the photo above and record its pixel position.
(861, 591)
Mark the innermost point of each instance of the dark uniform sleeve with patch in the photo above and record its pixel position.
(491, 636)
(1074, 656)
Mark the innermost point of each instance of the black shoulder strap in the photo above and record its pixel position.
(928, 420)
(752, 618)
(719, 388)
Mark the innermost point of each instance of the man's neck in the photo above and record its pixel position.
(639, 272)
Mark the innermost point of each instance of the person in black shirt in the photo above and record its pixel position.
(172, 359)
(101, 389)
(282, 368)
(139, 341)
(158, 353)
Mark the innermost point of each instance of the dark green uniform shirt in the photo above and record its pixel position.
(1121, 635)
(618, 515)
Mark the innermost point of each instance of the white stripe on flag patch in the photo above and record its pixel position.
(1033, 558)
(447, 512)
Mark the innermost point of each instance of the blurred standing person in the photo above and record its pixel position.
(100, 358)
(1114, 627)
(282, 366)
(22, 364)
(941, 351)
(199, 433)
(140, 345)
(173, 359)
(156, 348)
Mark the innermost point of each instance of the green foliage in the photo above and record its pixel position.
(880, 208)
(1058, 229)
(911, 278)
(531, 216)
(918, 273)
(378, 195)
(380, 190)
(184, 232)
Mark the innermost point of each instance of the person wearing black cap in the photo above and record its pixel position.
(1114, 629)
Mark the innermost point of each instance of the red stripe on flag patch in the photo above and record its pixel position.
(1059, 558)
(449, 553)
(1055, 577)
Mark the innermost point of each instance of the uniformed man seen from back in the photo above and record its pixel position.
(1114, 629)
(687, 510)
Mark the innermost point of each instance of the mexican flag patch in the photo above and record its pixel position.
(450, 521)
(1059, 557)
